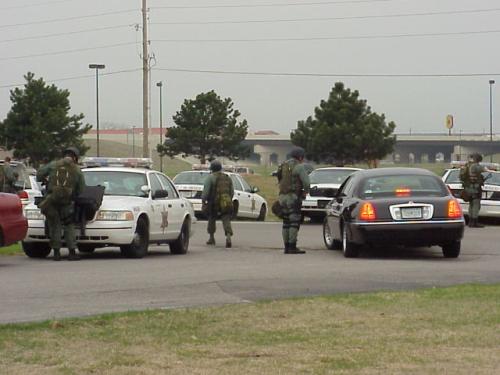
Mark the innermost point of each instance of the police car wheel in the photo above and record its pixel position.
(236, 205)
(36, 249)
(139, 246)
(263, 213)
(181, 244)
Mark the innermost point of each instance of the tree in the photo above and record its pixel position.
(38, 125)
(206, 126)
(345, 130)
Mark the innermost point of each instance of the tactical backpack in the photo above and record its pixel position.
(62, 182)
(285, 177)
(223, 198)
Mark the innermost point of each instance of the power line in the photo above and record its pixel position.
(65, 51)
(65, 33)
(350, 75)
(76, 77)
(270, 4)
(37, 4)
(397, 15)
(68, 18)
(347, 37)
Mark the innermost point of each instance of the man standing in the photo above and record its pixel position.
(7, 177)
(64, 183)
(217, 198)
(473, 181)
(294, 185)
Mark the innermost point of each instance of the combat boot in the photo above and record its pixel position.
(211, 240)
(228, 242)
(57, 255)
(293, 249)
(475, 223)
(287, 247)
(73, 255)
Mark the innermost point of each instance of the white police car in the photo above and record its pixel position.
(247, 203)
(140, 207)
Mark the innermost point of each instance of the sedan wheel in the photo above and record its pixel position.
(139, 246)
(349, 249)
(451, 249)
(330, 242)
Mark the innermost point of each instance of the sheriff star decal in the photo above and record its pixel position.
(164, 220)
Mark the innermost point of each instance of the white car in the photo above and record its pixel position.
(247, 203)
(26, 185)
(139, 207)
(324, 185)
(490, 200)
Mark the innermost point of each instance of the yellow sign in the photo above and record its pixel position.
(449, 121)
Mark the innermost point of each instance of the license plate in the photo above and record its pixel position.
(411, 213)
(322, 204)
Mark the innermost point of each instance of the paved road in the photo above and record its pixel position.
(255, 269)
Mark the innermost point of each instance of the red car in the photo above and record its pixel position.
(13, 224)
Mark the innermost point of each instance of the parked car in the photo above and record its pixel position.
(26, 185)
(247, 203)
(490, 200)
(324, 185)
(13, 225)
(140, 207)
(393, 206)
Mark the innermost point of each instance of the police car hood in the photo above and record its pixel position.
(121, 203)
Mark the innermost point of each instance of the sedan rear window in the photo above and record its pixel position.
(191, 178)
(402, 186)
(330, 176)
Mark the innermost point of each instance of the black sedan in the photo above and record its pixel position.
(391, 207)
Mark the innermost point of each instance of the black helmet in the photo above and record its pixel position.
(298, 153)
(215, 166)
(71, 151)
(477, 157)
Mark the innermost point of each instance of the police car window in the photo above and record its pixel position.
(246, 186)
(453, 177)
(172, 193)
(236, 183)
(116, 182)
(155, 183)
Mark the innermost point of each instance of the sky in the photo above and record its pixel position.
(416, 61)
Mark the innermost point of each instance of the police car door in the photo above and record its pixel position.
(241, 196)
(252, 210)
(176, 207)
(158, 206)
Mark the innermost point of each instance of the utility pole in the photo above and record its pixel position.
(145, 82)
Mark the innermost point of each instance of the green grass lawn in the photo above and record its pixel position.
(434, 331)
(11, 250)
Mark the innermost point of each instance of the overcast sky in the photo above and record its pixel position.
(61, 50)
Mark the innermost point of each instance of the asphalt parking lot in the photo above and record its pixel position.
(255, 269)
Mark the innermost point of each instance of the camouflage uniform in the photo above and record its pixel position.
(60, 215)
(208, 197)
(7, 179)
(290, 199)
(474, 188)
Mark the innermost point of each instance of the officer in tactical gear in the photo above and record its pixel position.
(217, 198)
(7, 177)
(64, 182)
(293, 187)
(473, 181)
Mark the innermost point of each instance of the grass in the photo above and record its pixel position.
(11, 250)
(434, 331)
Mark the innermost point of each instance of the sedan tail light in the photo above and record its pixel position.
(23, 194)
(367, 212)
(454, 209)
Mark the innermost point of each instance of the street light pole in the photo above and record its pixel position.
(133, 141)
(97, 67)
(491, 82)
(160, 85)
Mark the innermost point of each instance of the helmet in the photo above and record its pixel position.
(73, 151)
(298, 153)
(477, 157)
(215, 166)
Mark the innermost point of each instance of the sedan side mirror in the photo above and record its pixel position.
(159, 194)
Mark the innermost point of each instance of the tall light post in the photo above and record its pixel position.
(160, 86)
(133, 141)
(491, 82)
(97, 67)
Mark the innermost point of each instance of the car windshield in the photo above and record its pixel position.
(117, 183)
(330, 176)
(23, 180)
(406, 185)
(491, 178)
(191, 178)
